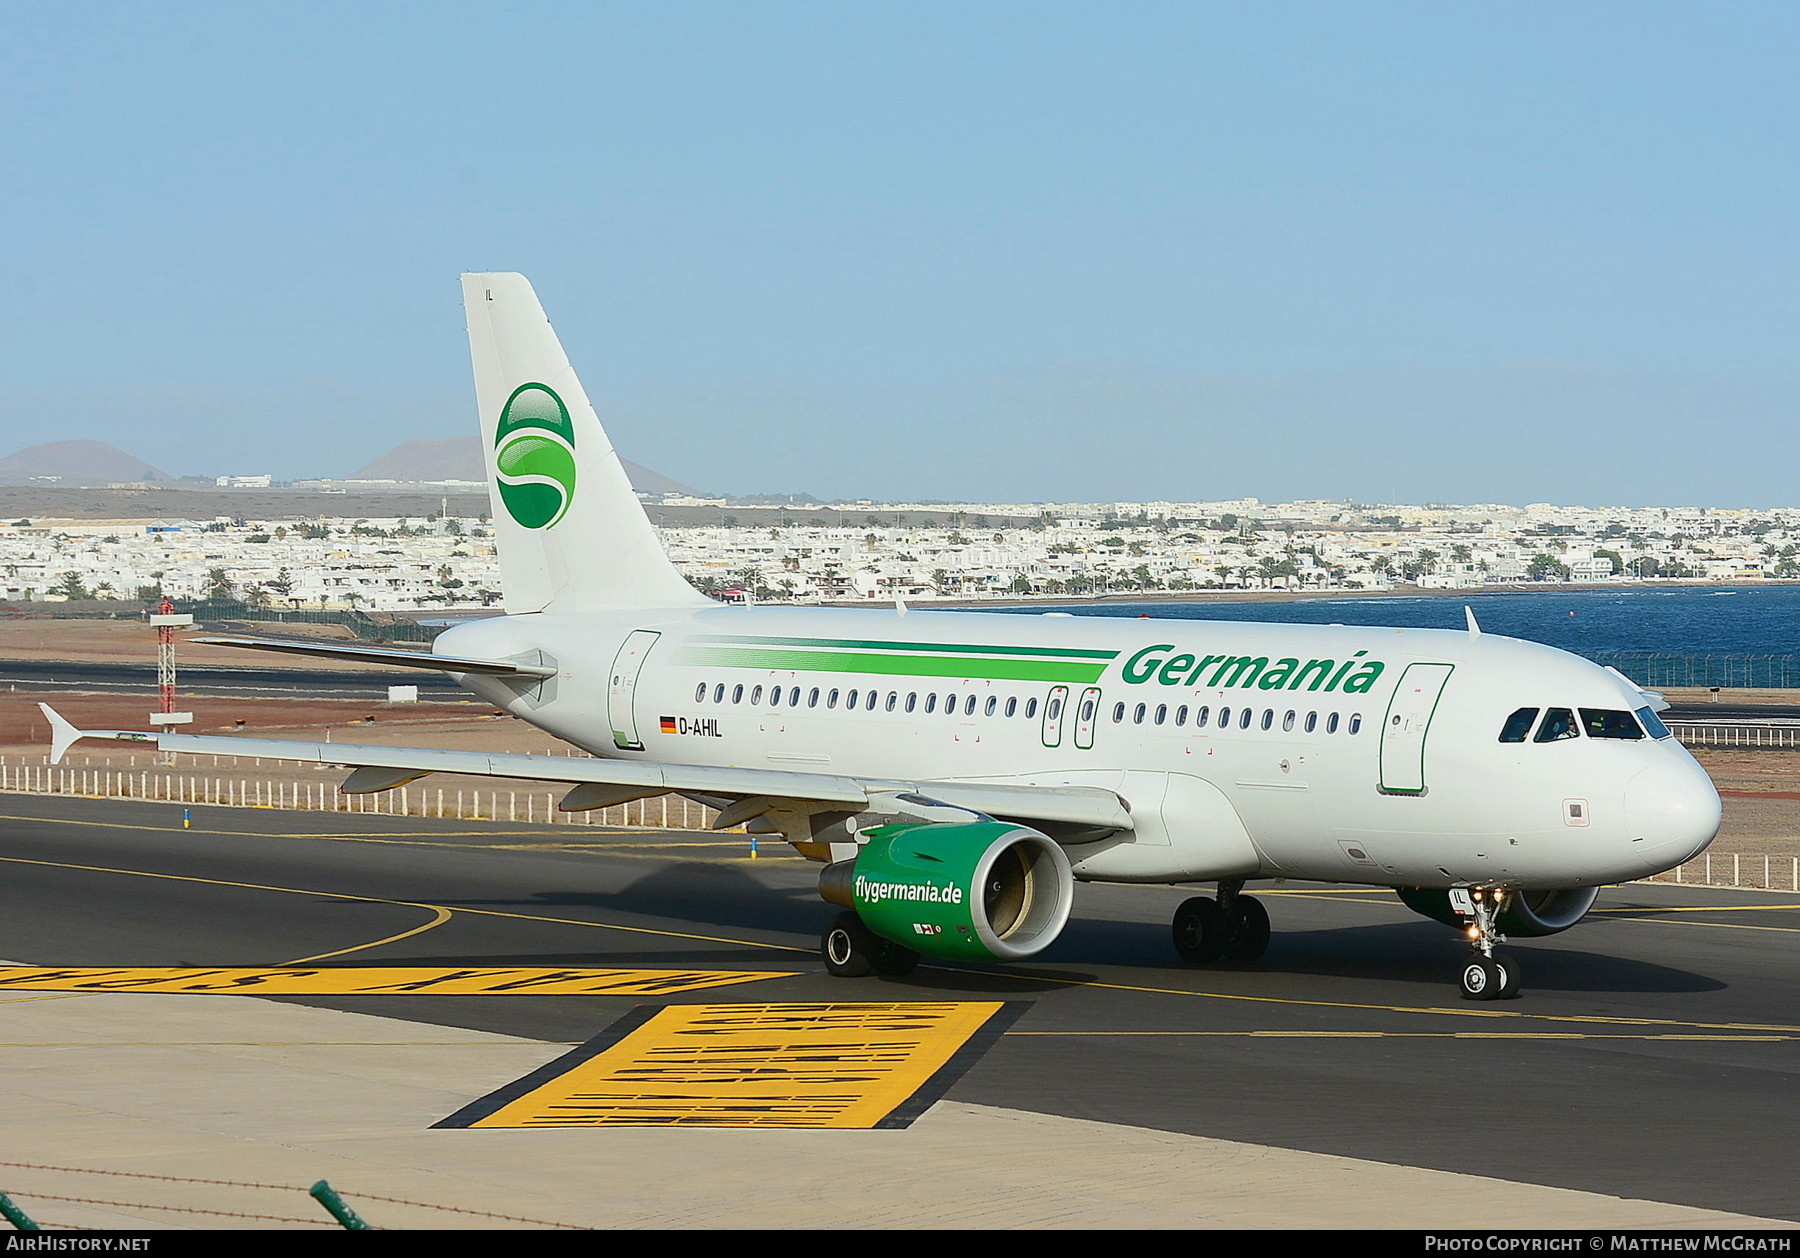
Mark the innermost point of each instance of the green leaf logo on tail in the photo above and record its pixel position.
(534, 457)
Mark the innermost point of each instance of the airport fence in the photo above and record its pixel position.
(235, 782)
(1726, 671)
(1737, 734)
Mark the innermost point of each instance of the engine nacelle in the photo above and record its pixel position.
(974, 891)
(1528, 914)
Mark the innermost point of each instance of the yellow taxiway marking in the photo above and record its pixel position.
(374, 981)
(439, 917)
(414, 904)
(786, 1065)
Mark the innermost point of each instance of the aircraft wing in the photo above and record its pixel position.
(746, 793)
(384, 655)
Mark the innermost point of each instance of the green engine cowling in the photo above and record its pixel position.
(974, 891)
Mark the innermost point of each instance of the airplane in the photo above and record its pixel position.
(956, 774)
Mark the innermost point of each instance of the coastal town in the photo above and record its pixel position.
(441, 559)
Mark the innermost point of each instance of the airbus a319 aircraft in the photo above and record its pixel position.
(956, 774)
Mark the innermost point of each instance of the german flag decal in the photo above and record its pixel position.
(668, 725)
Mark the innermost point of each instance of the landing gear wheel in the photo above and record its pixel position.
(1246, 929)
(849, 948)
(894, 960)
(1509, 976)
(1482, 979)
(1199, 929)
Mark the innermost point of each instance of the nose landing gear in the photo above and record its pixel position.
(1489, 976)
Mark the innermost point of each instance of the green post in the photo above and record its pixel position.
(15, 1216)
(327, 1196)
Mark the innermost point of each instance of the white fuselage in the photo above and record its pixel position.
(1349, 754)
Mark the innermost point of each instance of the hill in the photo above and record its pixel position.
(76, 463)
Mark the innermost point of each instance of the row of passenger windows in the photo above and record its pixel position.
(868, 700)
(994, 705)
(1308, 724)
(1561, 723)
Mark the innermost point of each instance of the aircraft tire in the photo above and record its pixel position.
(848, 947)
(1247, 929)
(1199, 929)
(1482, 979)
(894, 960)
(1510, 977)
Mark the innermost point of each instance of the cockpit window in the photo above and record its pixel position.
(1558, 723)
(1604, 723)
(1654, 724)
(1518, 725)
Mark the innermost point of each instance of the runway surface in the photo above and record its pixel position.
(1654, 1053)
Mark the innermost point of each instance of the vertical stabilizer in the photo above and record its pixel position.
(571, 533)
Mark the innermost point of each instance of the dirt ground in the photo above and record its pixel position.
(134, 642)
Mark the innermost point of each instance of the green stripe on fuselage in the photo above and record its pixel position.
(961, 667)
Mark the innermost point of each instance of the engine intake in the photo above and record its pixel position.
(982, 890)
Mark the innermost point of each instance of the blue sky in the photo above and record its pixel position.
(1395, 252)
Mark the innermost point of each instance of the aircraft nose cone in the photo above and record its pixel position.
(1673, 812)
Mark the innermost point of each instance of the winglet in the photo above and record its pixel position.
(62, 734)
(1474, 629)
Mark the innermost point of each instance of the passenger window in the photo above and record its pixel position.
(700, 694)
(988, 708)
(869, 701)
(832, 698)
(1162, 713)
(1312, 721)
(1654, 724)
(1138, 715)
(719, 693)
(1012, 706)
(1054, 711)
(969, 706)
(1606, 723)
(1244, 718)
(852, 700)
(1224, 718)
(794, 697)
(1287, 722)
(1518, 725)
(1559, 723)
(756, 695)
(812, 700)
(1087, 710)
(1030, 708)
(893, 698)
(737, 694)
(1200, 717)
(912, 700)
(1118, 713)
(1181, 715)
(930, 704)
(1355, 723)
(1331, 723)
(1268, 717)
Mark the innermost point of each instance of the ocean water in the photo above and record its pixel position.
(1699, 621)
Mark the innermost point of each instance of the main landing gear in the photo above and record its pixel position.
(1234, 926)
(852, 950)
(1489, 975)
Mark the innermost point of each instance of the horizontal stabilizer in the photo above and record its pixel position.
(385, 655)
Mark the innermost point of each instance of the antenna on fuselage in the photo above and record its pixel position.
(1474, 629)
(899, 607)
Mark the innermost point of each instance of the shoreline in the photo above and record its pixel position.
(1296, 596)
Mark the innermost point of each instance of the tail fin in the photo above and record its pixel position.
(571, 533)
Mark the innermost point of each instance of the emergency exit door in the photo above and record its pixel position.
(1404, 730)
